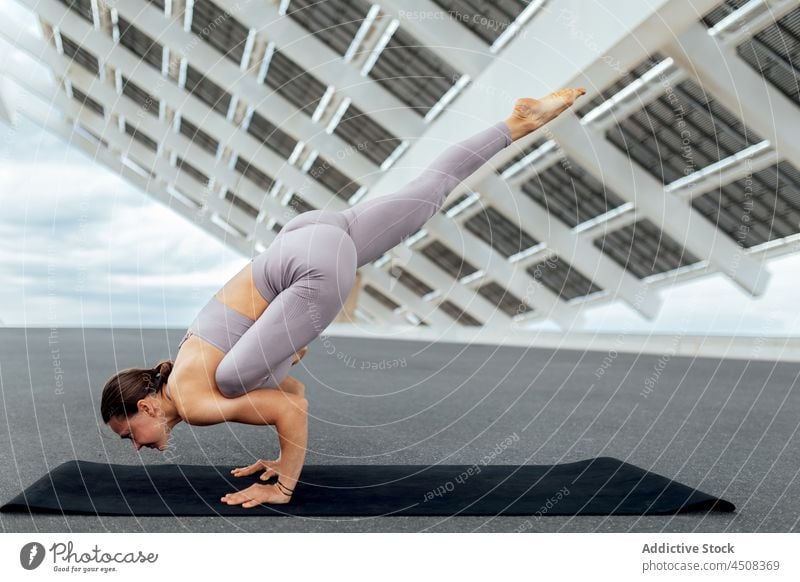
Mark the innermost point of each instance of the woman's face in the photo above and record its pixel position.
(146, 428)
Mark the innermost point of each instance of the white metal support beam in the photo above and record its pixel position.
(734, 84)
(669, 213)
(327, 65)
(576, 250)
(197, 156)
(379, 310)
(179, 99)
(267, 102)
(125, 145)
(400, 293)
(440, 33)
(466, 299)
(65, 131)
(528, 289)
(131, 111)
(598, 39)
(6, 104)
(192, 108)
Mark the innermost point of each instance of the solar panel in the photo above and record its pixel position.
(299, 204)
(334, 22)
(458, 314)
(416, 285)
(500, 233)
(142, 98)
(413, 73)
(269, 134)
(140, 44)
(680, 133)
(774, 53)
(361, 131)
(188, 168)
(570, 193)
(637, 72)
(503, 299)
(297, 85)
(326, 174)
(253, 174)
(380, 297)
(142, 138)
(447, 260)
(248, 208)
(487, 19)
(644, 249)
(562, 278)
(219, 29)
(198, 136)
(207, 91)
(758, 208)
(82, 8)
(87, 101)
(723, 10)
(80, 55)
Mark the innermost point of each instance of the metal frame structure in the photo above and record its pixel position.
(240, 115)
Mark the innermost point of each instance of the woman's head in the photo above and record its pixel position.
(132, 405)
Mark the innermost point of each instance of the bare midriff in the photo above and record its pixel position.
(197, 360)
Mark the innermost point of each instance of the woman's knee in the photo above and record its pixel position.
(230, 382)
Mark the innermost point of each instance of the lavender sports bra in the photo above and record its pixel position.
(219, 325)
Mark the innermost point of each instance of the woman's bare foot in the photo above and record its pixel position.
(531, 114)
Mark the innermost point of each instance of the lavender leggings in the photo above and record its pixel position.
(308, 270)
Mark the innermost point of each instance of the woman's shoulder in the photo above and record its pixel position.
(193, 394)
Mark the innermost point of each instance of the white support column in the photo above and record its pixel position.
(576, 250)
(735, 85)
(672, 215)
(440, 33)
(327, 65)
(267, 102)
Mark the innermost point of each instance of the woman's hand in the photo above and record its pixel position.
(270, 468)
(257, 494)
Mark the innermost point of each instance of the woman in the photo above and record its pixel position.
(257, 326)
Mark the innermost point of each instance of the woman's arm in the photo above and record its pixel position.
(287, 412)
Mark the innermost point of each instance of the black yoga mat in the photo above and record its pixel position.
(601, 486)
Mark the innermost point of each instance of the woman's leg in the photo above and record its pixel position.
(380, 224)
(317, 263)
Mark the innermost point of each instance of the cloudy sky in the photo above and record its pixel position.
(79, 246)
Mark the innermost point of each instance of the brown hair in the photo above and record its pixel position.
(127, 387)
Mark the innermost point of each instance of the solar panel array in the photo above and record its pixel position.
(681, 131)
